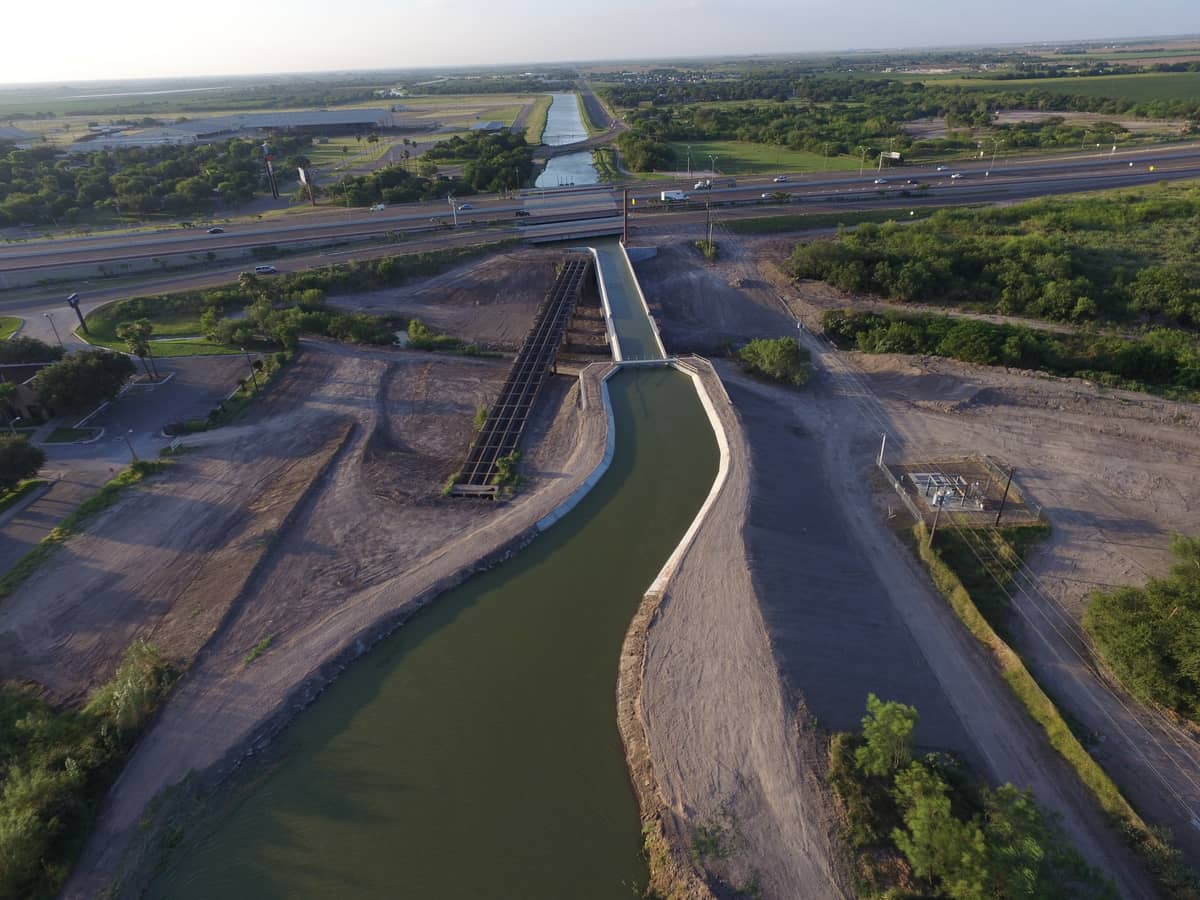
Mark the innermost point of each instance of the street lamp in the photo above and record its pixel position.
(713, 162)
(12, 424)
(689, 156)
(57, 336)
(128, 444)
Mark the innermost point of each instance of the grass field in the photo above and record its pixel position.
(535, 125)
(1139, 88)
(10, 498)
(9, 326)
(742, 158)
(818, 220)
(590, 126)
(183, 326)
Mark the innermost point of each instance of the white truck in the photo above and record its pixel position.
(703, 184)
(669, 196)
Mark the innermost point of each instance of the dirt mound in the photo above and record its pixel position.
(489, 301)
(698, 307)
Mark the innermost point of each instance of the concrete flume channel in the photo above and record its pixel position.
(475, 753)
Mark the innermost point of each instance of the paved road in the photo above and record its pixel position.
(77, 471)
(1009, 181)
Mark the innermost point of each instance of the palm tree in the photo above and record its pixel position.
(136, 336)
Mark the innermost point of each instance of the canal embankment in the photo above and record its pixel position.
(720, 757)
(223, 712)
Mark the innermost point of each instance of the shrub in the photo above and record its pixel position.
(56, 765)
(21, 349)
(19, 460)
(780, 359)
(83, 379)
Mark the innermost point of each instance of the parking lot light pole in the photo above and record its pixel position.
(129, 444)
(57, 336)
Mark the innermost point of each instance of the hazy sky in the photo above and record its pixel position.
(60, 40)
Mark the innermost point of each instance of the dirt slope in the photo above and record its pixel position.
(368, 543)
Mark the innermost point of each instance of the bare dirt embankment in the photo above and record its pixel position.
(729, 752)
(1114, 474)
(367, 544)
(488, 301)
(841, 602)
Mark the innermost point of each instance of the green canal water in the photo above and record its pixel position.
(475, 754)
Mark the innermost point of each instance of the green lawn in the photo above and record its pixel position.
(1139, 88)
(743, 158)
(535, 125)
(809, 221)
(9, 498)
(178, 318)
(9, 326)
(194, 347)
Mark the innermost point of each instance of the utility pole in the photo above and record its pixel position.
(625, 218)
(1004, 499)
(937, 511)
(454, 207)
(253, 374)
(689, 160)
(882, 444)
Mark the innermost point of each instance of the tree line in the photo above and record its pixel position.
(57, 764)
(42, 185)
(493, 162)
(1124, 258)
(837, 115)
(923, 826)
(1162, 360)
(1151, 634)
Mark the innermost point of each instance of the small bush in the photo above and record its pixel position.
(19, 460)
(780, 359)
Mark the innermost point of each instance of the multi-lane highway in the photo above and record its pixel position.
(908, 186)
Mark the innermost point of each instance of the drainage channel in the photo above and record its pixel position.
(475, 753)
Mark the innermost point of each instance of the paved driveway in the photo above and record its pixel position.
(78, 470)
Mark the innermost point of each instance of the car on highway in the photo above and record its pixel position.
(378, 207)
(265, 270)
(942, 168)
(779, 179)
(216, 231)
(881, 181)
(957, 175)
(521, 213)
(463, 207)
(912, 181)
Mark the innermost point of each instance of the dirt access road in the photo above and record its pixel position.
(832, 580)
(1114, 473)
